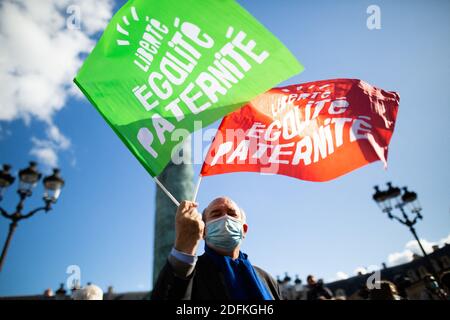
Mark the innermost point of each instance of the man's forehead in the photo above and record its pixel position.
(222, 202)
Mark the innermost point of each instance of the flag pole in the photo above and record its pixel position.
(166, 191)
(197, 187)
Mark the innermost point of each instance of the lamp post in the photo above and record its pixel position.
(396, 198)
(28, 179)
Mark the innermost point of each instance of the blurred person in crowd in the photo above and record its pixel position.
(363, 292)
(48, 294)
(317, 290)
(432, 290)
(384, 290)
(223, 271)
(89, 292)
(340, 294)
(445, 282)
(300, 291)
(402, 283)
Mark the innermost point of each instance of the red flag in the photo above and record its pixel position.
(316, 131)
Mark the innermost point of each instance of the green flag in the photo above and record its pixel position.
(163, 64)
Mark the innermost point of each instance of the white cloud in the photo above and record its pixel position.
(40, 56)
(46, 155)
(373, 267)
(341, 275)
(444, 241)
(45, 150)
(94, 14)
(361, 270)
(59, 139)
(412, 247)
(396, 258)
(365, 270)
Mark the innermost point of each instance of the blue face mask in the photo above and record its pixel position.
(224, 233)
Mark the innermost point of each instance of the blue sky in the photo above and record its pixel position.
(104, 219)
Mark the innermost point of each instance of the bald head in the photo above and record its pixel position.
(222, 206)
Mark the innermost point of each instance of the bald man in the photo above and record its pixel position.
(223, 271)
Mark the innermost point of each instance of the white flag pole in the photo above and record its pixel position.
(196, 188)
(166, 191)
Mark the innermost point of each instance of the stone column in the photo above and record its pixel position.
(178, 179)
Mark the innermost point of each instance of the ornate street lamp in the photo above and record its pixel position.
(393, 198)
(28, 179)
(53, 185)
(6, 179)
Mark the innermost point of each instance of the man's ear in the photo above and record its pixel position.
(245, 227)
